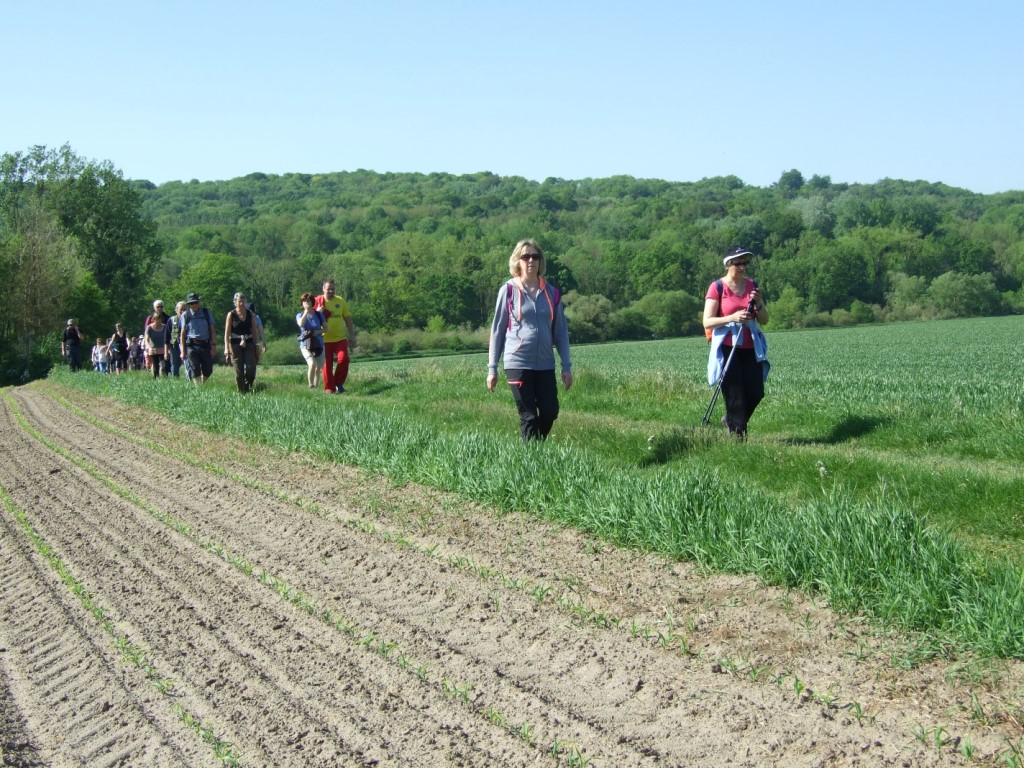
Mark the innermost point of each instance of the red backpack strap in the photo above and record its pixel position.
(550, 291)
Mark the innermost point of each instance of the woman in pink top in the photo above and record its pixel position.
(730, 300)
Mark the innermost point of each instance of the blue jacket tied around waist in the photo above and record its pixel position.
(718, 353)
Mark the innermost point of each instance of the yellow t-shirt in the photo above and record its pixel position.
(335, 310)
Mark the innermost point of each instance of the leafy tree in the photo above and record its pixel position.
(958, 295)
(589, 317)
(815, 213)
(41, 268)
(72, 242)
(216, 278)
(629, 323)
(671, 313)
(788, 310)
(906, 298)
(861, 312)
(101, 210)
(93, 205)
(207, 238)
(839, 273)
(790, 183)
(396, 303)
(91, 307)
(1011, 262)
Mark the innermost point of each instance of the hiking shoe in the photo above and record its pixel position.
(339, 390)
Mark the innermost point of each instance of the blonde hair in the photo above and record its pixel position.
(514, 268)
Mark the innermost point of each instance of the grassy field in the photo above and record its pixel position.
(882, 469)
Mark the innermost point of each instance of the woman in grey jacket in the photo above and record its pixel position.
(529, 324)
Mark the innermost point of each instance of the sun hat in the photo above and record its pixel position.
(734, 252)
(71, 321)
(192, 297)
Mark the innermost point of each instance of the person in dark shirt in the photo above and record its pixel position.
(71, 345)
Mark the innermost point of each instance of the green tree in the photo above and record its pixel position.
(589, 317)
(60, 217)
(41, 268)
(957, 295)
(91, 307)
(216, 278)
(396, 303)
(788, 310)
(790, 183)
(102, 211)
(671, 313)
(861, 312)
(906, 298)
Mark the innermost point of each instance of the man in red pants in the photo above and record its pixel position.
(337, 336)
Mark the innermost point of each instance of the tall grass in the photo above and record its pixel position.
(872, 554)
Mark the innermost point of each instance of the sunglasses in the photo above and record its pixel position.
(530, 257)
(738, 263)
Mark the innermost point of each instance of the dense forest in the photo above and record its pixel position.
(633, 256)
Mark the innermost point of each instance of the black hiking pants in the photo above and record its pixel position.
(536, 396)
(742, 388)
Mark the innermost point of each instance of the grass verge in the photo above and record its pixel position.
(873, 555)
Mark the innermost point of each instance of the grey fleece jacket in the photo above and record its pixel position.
(526, 331)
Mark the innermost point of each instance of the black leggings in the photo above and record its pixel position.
(742, 388)
(536, 396)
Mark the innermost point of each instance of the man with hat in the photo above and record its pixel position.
(71, 345)
(196, 338)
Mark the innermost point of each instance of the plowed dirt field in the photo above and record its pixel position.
(171, 598)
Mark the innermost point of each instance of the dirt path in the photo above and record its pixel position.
(312, 616)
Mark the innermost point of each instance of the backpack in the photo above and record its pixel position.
(315, 344)
(186, 318)
(554, 296)
(718, 287)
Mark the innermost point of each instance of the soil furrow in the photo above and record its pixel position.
(40, 627)
(623, 700)
(424, 606)
(629, 686)
(165, 576)
(420, 618)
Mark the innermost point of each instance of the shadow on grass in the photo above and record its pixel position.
(663, 448)
(375, 386)
(848, 429)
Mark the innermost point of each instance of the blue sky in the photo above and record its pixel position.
(674, 90)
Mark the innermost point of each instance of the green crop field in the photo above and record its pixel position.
(882, 469)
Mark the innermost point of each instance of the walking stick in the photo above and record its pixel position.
(718, 387)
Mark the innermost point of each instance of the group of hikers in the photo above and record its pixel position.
(187, 340)
(528, 327)
(172, 343)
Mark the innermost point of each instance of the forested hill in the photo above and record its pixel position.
(633, 256)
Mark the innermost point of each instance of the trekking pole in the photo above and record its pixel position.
(718, 387)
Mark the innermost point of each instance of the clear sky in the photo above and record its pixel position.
(858, 90)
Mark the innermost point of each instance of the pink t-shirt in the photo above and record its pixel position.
(733, 302)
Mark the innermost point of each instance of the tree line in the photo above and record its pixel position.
(633, 257)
